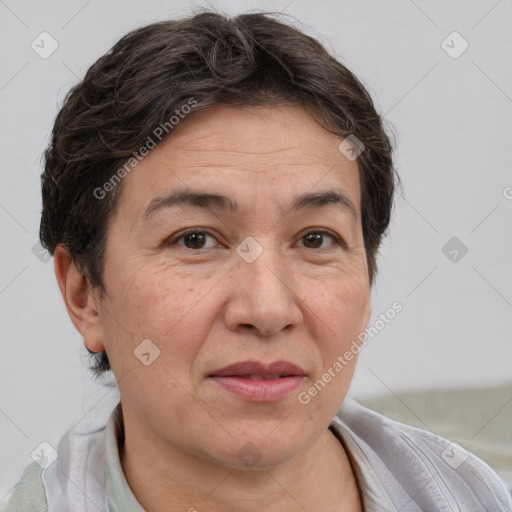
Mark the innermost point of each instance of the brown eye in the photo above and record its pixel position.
(193, 239)
(315, 239)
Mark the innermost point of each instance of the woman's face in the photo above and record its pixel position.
(273, 280)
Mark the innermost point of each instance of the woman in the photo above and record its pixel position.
(214, 196)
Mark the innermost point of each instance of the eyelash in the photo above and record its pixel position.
(176, 238)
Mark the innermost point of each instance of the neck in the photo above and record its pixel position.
(163, 478)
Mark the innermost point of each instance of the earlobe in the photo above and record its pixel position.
(82, 305)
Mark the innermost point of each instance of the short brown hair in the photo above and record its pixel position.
(248, 60)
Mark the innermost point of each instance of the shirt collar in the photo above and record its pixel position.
(119, 495)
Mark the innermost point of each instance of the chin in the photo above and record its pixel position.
(261, 448)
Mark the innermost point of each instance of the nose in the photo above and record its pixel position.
(263, 296)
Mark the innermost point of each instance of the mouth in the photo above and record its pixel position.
(256, 382)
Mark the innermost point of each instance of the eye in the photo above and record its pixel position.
(192, 239)
(196, 238)
(315, 239)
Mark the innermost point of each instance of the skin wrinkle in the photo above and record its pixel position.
(212, 308)
(241, 152)
(179, 201)
(283, 212)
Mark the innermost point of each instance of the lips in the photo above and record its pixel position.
(255, 381)
(255, 368)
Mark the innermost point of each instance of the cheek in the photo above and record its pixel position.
(161, 305)
(342, 310)
(352, 308)
(172, 315)
(340, 305)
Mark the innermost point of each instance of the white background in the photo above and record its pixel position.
(452, 119)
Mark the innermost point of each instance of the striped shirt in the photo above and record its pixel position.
(397, 468)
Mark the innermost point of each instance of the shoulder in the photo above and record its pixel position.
(28, 495)
(419, 468)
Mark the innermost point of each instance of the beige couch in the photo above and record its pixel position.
(480, 420)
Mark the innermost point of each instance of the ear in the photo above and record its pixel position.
(80, 300)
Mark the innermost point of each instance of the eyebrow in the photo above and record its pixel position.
(224, 203)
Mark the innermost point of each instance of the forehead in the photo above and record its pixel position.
(241, 151)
